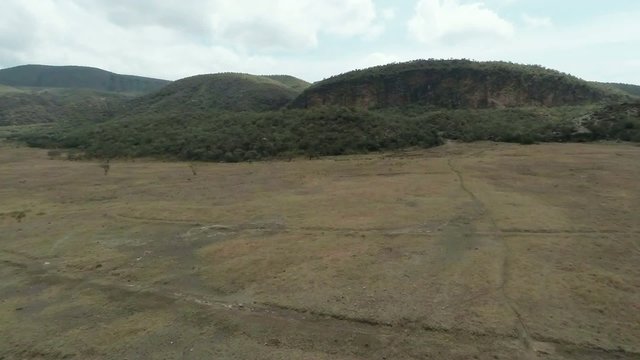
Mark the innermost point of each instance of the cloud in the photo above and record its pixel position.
(256, 25)
(175, 38)
(290, 24)
(537, 22)
(388, 14)
(453, 21)
(185, 16)
(310, 39)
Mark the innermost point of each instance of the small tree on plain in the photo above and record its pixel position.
(105, 166)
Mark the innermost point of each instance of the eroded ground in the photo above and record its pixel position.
(475, 251)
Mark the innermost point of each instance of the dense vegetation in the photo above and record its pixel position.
(615, 122)
(452, 84)
(239, 117)
(34, 94)
(27, 106)
(629, 89)
(233, 136)
(293, 82)
(205, 93)
(212, 93)
(77, 77)
(228, 136)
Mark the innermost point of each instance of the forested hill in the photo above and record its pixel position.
(77, 77)
(290, 81)
(629, 89)
(207, 94)
(453, 84)
(24, 106)
(240, 117)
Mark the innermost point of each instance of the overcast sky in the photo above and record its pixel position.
(313, 39)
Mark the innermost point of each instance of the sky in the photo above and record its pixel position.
(313, 39)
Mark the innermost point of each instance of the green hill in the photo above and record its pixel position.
(4, 89)
(629, 89)
(77, 77)
(291, 81)
(239, 117)
(196, 96)
(204, 94)
(615, 122)
(246, 136)
(452, 84)
(23, 106)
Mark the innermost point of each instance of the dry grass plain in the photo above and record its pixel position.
(466, 251)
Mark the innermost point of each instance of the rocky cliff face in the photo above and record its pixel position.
(451, 84)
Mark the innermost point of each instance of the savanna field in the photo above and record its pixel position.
(462, 251)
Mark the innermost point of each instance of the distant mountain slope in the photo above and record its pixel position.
(455, 84)
(214, 93)
(290, 81)
(630, 89)
(77, 77)
(23, 107)
(4, 89)
(240, 117)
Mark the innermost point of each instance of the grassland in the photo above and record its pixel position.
(464, 251)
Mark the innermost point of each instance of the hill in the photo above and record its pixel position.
(453, 84)
(628, 89)
(240, 117)
(195, 96)
(615, 122)
(30, 106)
(4, 89)
(290, 81)
(77, 77)
(204, 94)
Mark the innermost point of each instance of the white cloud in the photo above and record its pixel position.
(257, 24)
(289, 24)
(537, 22)
(388, 14)
(453, 21)
(175, 38)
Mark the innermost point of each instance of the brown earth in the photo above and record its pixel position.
(467, 251)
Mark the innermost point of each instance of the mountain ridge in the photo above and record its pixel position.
(242, 117)
(77, 77)
(210, 93)
(630, 89)
(453, 84)
(51, 105)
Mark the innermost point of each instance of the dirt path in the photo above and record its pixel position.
(484, 212)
